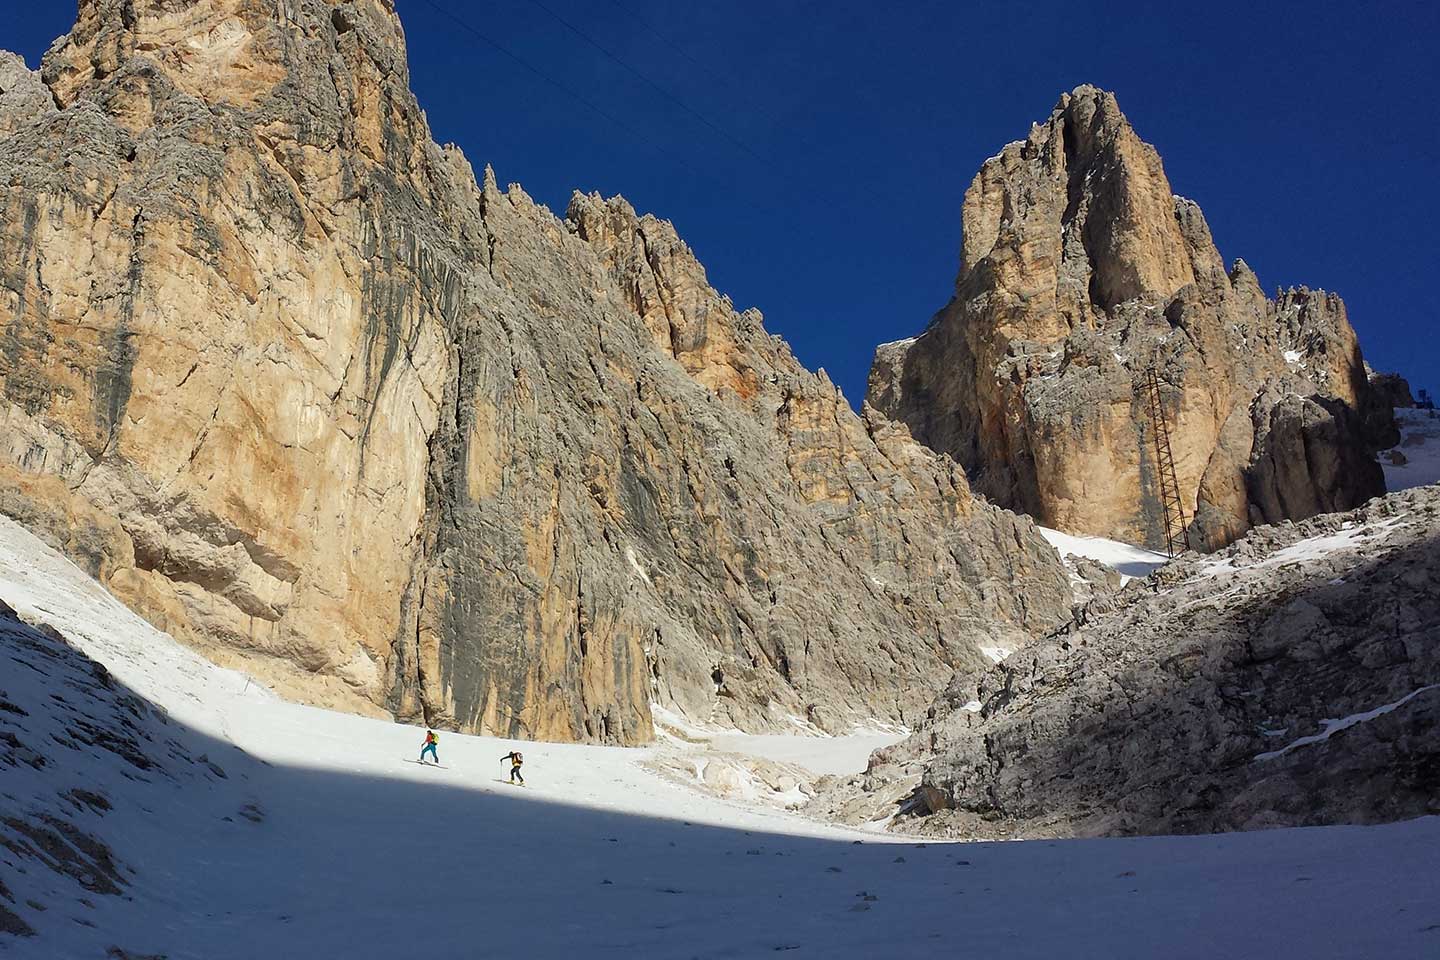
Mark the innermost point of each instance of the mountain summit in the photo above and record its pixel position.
(1082, 274)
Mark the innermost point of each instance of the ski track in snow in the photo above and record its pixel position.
(356, 852)
(819, 755)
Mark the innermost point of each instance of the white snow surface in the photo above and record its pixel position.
(1129, 561)
(361, 853)
(809, 747)
(1350, 537)
(1420, 447)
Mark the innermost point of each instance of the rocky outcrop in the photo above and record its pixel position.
(1391, 390)
(1081, 273)
(1291, 679)
(303, 391)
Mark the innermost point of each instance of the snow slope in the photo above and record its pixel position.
(323, 839)
(1129, 561)
(1419, 450)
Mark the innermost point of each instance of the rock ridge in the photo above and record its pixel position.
(1287, 680)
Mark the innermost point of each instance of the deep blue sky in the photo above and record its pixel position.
(1309, 136)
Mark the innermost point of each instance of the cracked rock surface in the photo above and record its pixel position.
(301, 389)
(1292, 679)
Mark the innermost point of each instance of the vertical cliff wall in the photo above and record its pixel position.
(306, 392)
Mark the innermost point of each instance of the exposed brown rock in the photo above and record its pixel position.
(1080, 273)
(298, 388)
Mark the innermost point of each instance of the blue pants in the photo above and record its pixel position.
(514, 773)
(430, 749)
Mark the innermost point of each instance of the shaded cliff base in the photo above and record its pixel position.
(1290, 679)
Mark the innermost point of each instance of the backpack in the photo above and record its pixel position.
(516, 759)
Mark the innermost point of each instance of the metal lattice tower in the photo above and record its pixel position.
(1165, 467)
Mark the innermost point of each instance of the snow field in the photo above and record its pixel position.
(352, 851)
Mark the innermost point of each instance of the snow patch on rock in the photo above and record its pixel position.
(1127, 560)
(1328, 728)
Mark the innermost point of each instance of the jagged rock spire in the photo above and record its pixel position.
(1080, 272)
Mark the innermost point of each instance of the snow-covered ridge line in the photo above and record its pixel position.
(1351, 535)
(1332, 727)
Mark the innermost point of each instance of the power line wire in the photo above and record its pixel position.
(658, 88)
(720, 78)
(672, 44)
(559, 85)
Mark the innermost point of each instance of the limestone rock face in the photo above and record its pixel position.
(306, 393)
(1391, 390)
(23, 97)
(1278, 683)
(1080, 273)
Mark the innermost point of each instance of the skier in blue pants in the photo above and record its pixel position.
(431, 741)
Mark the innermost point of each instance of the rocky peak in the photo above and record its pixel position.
(296, 74)
(1103, 205)
(23, 97)
(1314, 329)
(1081, 273)
(219, 51)
(666, 286)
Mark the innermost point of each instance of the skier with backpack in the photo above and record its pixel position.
(515, 760)
(431, 742)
